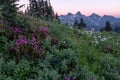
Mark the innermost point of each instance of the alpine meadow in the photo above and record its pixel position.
(40, 44)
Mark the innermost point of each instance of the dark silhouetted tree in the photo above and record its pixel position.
(40, 8)
(102, 29)
(32, 8)
(108, 26)
(82, 24)
(117, 29)
(8, 10)
(57, 18)
(76, 24)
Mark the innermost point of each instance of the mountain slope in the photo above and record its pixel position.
(61, 53)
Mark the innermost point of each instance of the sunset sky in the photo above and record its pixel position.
(87, 7)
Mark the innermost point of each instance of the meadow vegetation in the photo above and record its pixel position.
(46, 50)
(32, 48)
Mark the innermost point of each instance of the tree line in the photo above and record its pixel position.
(9, 9)
(82, 25)
(40, 8)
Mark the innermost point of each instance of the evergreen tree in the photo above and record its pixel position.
(108, 26)
(57, 18)
(82, 24)
(117, 29)
(49, 13)
(32, 9)
(102, 29)
(75, 23)
(9, 11)
(40, 8)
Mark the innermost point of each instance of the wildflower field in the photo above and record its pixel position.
(47, 50)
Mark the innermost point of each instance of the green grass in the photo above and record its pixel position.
(78, 55)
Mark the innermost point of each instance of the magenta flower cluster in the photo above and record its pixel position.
(21, 41)
(67, 78)
(44, 29)
(36, 45)
(16, 29)
(33, 42)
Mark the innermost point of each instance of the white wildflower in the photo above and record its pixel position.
(99, 36)
(117, 40)
(94, 37)
(103, 39)
(113, 40)
(96, 42)
(82, 32)
(93, 29)
(64, 42)
(86, 32)
(90, 33)
(117, 43)
(79, 31)
(71, 27)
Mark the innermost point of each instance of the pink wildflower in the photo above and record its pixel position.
(67, 78)
(44, 29)
(21, 41)
(12, 48)
(16, 29)
(32, 40)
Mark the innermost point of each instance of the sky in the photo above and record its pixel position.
(86, 7)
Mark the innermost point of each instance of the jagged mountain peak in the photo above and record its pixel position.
(93, 20)
(108, 16)
(69, 13)
(94, 15)
(78, 13)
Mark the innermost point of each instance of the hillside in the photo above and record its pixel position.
(47, 50)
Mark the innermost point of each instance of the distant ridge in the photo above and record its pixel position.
(93, 20)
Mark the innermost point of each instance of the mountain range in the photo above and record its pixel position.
(93, 21)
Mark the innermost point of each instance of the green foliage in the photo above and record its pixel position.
(56, 52)
(22, 21)
(41, 9)
(21, 70)
(3, 39)
(8, 11)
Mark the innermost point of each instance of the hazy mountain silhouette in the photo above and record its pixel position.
(94, 20)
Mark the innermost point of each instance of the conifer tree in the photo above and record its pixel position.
(108, 26)
(82, 24)
(57, 18)
(75, 23)
(40, 8)
(9, 10)
(32, 9)
(117, 29)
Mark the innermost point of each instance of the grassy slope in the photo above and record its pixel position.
(91, 49)
(97, 56)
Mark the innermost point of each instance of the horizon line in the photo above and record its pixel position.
(101, 15)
